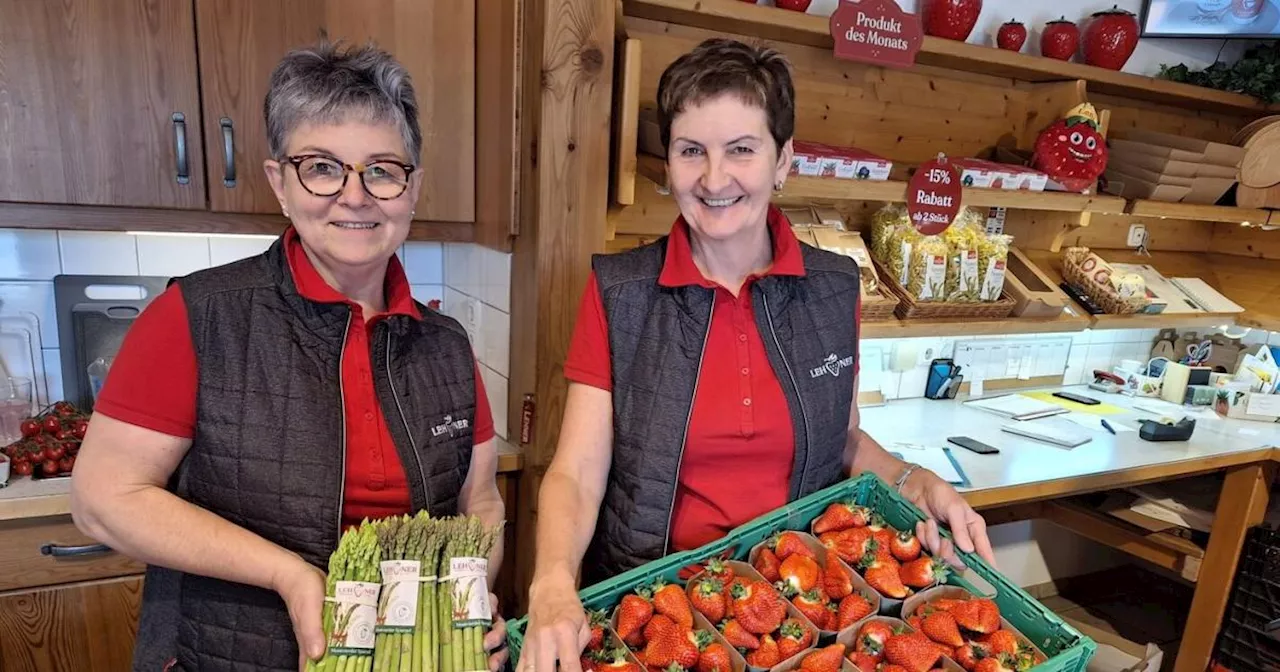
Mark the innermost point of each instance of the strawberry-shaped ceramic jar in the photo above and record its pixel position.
(1059, 39)
(950, 19)
(1110, 38)
(1072, 151)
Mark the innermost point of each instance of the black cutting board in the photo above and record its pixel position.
(89, 327)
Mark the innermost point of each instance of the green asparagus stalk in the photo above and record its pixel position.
(424, 643)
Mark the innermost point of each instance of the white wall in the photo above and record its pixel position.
(473, 283)
(1196, 53)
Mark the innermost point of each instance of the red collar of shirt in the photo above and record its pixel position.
(679, 270)
(314, 288)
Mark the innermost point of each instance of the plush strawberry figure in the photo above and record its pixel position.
(1072, 151)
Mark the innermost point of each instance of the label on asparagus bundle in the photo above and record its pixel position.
(398, 605)
(355, 615)
(470, 577)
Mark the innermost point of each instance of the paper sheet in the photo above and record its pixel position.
(933, 458)
(1094, 423)
(1101, 409)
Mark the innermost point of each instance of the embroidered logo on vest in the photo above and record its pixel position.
(831, 365)
(450, 426)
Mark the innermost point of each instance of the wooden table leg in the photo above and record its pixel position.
(1242, 505)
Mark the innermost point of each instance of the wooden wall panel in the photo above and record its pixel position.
(1127, 113)
(1035, 230)
(904, 115)
(1245, 241)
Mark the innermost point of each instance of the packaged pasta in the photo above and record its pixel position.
(964, 238)
(993, 255)
(883, 225)
(927, 268)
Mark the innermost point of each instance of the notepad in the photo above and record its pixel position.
(1207, 297)
(1016, 406)
(1057, 431)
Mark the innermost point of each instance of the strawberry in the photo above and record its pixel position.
(828, 659)
(787, 544)
(717, 569)
(758, 607)
(597, 620)
(865, 662)
(672, 645)
(657, 625)
(714, 656)
(768, 564)
(799, 573)
(872, 638)
(850, 545)
(941, 627)
(883, 536)
(968, 655)
(916, 622)
(636, 641)
(590, 660)
(882, 574)
(833, 619)
(980, 616)
(841, 516)
(944, 604)
(793, 638)
(852, 609)
(616, 661)
(738, 637)
(995, 664)
(669, 600)
(836, 581)
(633, 613)
(707, 596)
(892, 668)
(765, 656)
(812, 606)
(905, 547)
(923, 572)
(913, 651)
(1002, 642)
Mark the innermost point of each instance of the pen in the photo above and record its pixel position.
(1108, 426)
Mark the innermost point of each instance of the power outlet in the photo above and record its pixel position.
(1137, 235)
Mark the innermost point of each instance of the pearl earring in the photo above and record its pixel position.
(777, 186)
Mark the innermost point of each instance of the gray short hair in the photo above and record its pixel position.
(330, 83)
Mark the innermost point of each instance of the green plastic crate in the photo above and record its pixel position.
(1067, 649)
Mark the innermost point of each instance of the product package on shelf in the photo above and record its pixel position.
(844, 514)
(1115, 293)
(825, 229)
(813, 159)
(993, 175)
(958, 273)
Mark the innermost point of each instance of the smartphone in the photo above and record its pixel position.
(1078, 398)
(976, 446)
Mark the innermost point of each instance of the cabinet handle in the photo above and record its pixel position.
(180, 140)
(59, 551)
(228, 152)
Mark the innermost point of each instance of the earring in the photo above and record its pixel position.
(284, 212)
(412, 213)
(777, 186)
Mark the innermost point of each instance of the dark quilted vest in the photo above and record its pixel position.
(268, 454)
(656, 340)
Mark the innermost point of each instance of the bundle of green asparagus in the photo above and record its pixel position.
(432, 607)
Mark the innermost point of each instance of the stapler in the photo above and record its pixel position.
(1105, 381)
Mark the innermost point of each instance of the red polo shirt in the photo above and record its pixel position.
(153, 384)
(740, 445)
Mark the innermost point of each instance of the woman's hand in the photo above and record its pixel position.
(557, 628)
(302, 587)
(495, 641)
(940, 502)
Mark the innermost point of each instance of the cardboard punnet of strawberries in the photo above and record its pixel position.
(819, 586)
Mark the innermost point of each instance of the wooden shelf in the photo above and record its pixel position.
(969, 327)
(1200, 213)
(1159, 548)
(770, 23)
(105, 218)
(835, 189)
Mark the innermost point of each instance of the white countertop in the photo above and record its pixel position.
(1024, 461)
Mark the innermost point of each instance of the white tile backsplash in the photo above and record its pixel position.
(172, 256)
(425, 294)
(495, 329)
(424, 262)
(36, 298)
(98, 253)
(29, 254)
(226, 249)
(496, 278)
(495, 386)
(53, 373)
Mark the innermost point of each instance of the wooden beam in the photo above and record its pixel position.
(626, 115)
(571, 50)
(1161, 549)
(498, 150)
(1242, 505)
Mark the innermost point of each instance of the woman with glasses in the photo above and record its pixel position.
(257, 409)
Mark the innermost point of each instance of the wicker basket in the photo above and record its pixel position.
(909, 308)
(1102, 293)
(878, 306)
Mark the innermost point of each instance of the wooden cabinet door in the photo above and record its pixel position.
(99, 103)
(87, 627)
(242, 40)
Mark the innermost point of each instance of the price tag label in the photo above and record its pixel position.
(933, 196)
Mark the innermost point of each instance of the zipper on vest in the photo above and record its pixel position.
(342, 397)
(804, 418)
(413, 445)
(671, 510)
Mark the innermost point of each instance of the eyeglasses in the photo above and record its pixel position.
(326, 176)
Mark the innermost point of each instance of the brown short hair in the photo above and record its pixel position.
(760, 76)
